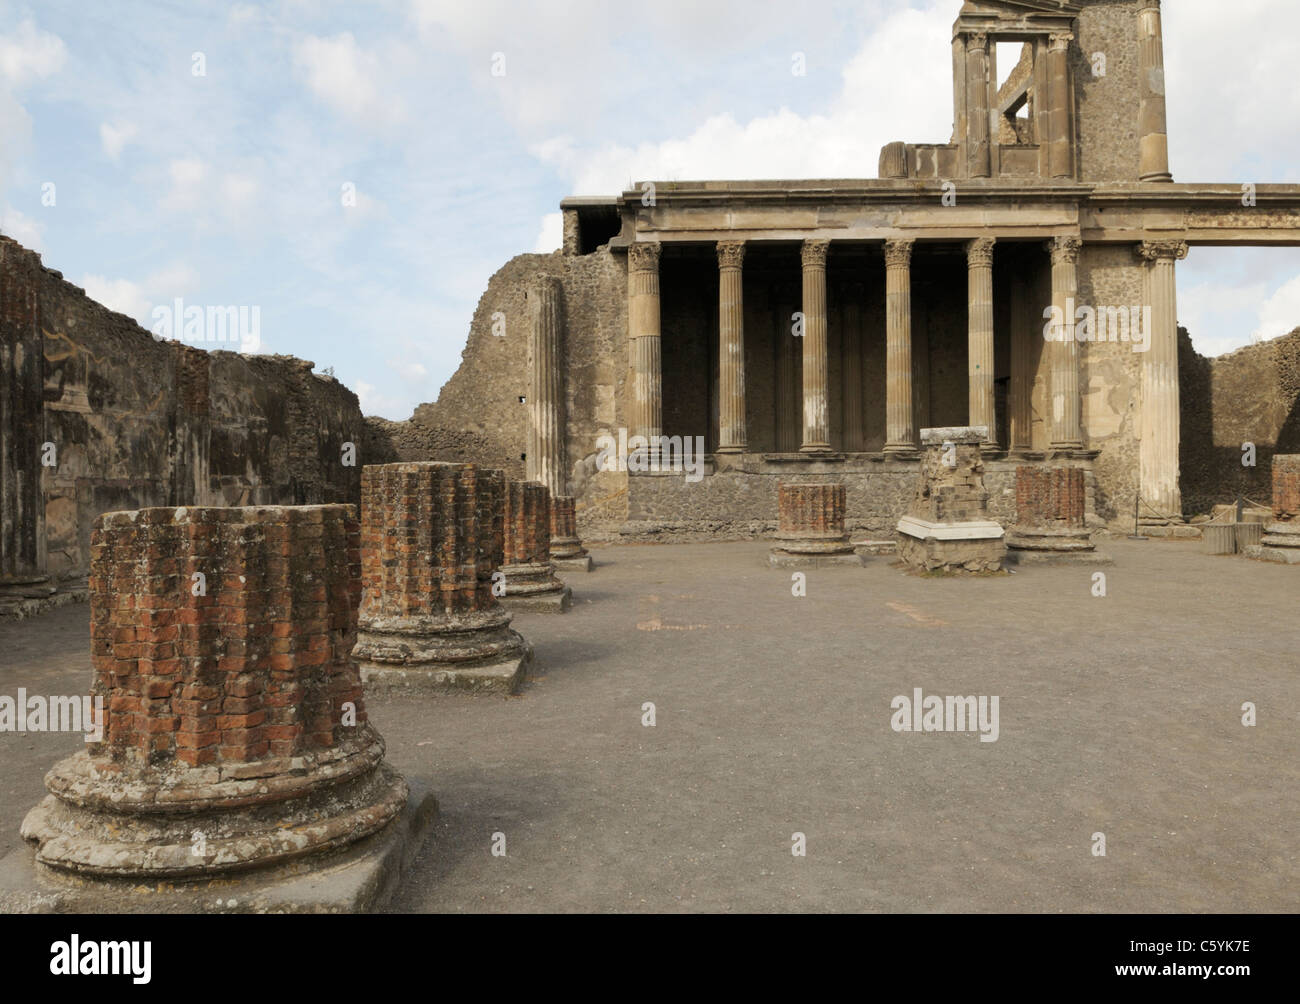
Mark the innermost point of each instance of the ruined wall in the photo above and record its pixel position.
(482, 397)
(1248, 396)
(1107, 106)
(135, 422)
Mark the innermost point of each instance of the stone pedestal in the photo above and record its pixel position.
(811, 527)
(1281, 540)
(530, 581)
(1051, 527)
(431, 536)
(235, 737)
(947, 528)
(567, 551)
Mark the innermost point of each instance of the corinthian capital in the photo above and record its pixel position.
(1155, 250)
(898, 253)
(1060, 40)
(814, 253)
(644, 256)
(979, 252)
(977, 40)
(1065, 250)
(731, 254)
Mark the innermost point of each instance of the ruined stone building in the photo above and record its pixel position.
(811, 329)
(96, 415)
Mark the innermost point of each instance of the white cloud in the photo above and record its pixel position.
(23, 229)
(551, 236)
(114, 138)
(1280, 314)
(187, 177)
(137, 299)
(346, 78)
(28, 54)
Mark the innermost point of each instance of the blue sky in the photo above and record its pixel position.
(226, 188)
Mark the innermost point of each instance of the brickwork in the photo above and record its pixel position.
(1047, 496)
(812, 511)
(221, 642)
(564, 529)
(1286, 487)
(951, 488)
(527, 524)
(431, 536)
(224, 635)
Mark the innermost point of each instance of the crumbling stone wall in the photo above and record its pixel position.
(1107, 105)
(1251, 395)
(134, 422)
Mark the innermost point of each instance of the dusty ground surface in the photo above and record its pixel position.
(1118, 714)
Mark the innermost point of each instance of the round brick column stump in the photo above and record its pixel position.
(529, 573)
(811, 527)
(432, 534)
(235, 733)
(567, 551)
(1051, 525)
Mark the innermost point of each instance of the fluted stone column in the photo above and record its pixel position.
(234, 726)
(432, 535)
(900, 429)
(1159, 423)
(1020, 399)
(979, 263)
(978, 149)
(816, 376)
(1153, 139)
(851, 348)
(545, 460)
(530, 581)
(789, 381)
(645, 408)
(1060, 109)
(731, 348)
(1066, 405)
(22, 419)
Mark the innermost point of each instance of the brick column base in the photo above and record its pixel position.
(1051, 527)
(810, 527)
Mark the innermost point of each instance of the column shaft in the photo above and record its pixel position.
(731, 348)
(789, 425)
(978, 151)
(1065, 419)
(1159, 424)
(1153, 140)
(816, 383)
(546, 461)
(900, 432)
(979, 262)
(1061, 114)
(645, 382)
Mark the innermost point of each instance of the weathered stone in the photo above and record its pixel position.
(811, 528)
(432, 537)
(1051, 519)
(529, 574)
(235, 735)
(567, 551)
(947, 528)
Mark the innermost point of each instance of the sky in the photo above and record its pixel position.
(357, 172)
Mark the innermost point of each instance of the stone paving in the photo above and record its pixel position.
(1119, 715)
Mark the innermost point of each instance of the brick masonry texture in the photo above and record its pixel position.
(812, 511)
(1050, 496)
(1286, 487)
(951, 494)
(431, 536)
(257, 663)
(527, 524)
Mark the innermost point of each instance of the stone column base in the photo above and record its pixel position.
(1281, 544)
(974, 546)
(437, 654)
(812, 552)
(569, 554)
(359, 878)
(535, 588)
(1053, 546)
